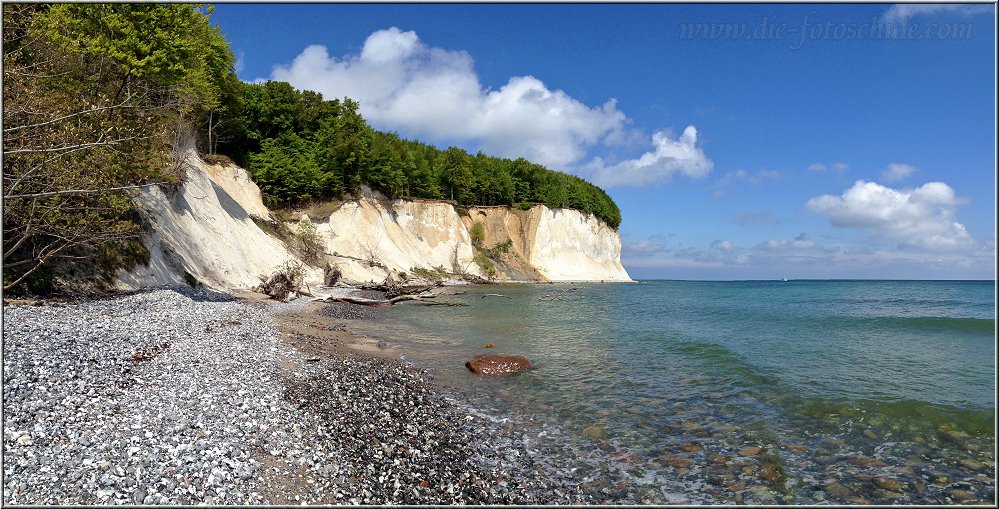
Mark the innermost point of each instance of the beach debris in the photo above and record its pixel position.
(331, 275)
(498, 364)
(494, 295)
(377, 302)
(488, 345)
(284, 282)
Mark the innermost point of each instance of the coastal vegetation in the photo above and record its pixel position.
(102, 99)
(95, 98)
(301, 147)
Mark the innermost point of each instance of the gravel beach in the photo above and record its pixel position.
(181, 396)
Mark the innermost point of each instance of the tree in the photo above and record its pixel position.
(94, 98)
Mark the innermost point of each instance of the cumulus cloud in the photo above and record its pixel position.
(722, 245)
(923, 217)
(668, 157)
(899, 12)
(898, 171)
(644, 247)
(803, 241)
(433, 93)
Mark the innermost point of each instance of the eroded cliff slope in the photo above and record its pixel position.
(210, 229)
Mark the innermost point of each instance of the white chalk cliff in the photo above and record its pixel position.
(209, 229)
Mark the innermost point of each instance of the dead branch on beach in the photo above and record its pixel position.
(494, 295)
(390, 302)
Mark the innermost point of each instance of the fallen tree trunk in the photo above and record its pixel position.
(378, 302)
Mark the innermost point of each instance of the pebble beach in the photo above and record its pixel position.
(182, 396)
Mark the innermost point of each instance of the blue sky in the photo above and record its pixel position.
(734, 151)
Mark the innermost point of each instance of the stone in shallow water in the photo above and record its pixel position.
(769, 473)
(869, 433)
(838, 490)
(677, 461)
(961, 494)
(498, 364)
(751, 450)
(595, 432)
(692, 447)
(717, 459)
(971, 464)
(889, 484)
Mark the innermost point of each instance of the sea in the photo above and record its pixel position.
(755, 392)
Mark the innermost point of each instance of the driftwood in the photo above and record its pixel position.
(494, 295)
(440, 303)
(378, 302)
(393, 289)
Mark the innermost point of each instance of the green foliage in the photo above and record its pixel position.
(429, 274)
(95, 96)
(502, 248)
(478, 234)
(217, 159)
(486, 264)
(41, 281)
(310, 240)
(123, 255)
(300, 147)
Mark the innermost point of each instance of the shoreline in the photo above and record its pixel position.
(184, 396)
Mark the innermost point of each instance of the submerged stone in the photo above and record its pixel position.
(751, 450)
(838, 490)
(889, 484)
(498, 364)
(595, 432)
(971, 464)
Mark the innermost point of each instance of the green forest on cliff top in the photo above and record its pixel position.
(97, 99)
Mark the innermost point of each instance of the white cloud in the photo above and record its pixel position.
(722, 245)
(803, 241)
(240, 63)
(433, 93)
(899, 12)
(670, 156)
(653, 245)
(924, 216)
(898, 171)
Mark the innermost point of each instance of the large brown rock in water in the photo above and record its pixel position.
(498, 364)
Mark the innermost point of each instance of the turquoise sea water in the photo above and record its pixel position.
(881, 390)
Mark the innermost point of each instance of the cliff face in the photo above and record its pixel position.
(207, 229)
(553, 245)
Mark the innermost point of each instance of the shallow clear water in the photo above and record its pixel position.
(651, 390)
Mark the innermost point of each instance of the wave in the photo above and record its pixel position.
(720, 357)
(923, 415)
(935, 323)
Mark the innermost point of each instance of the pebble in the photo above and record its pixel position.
(164, 429)
(889, 484)
(750, 451)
